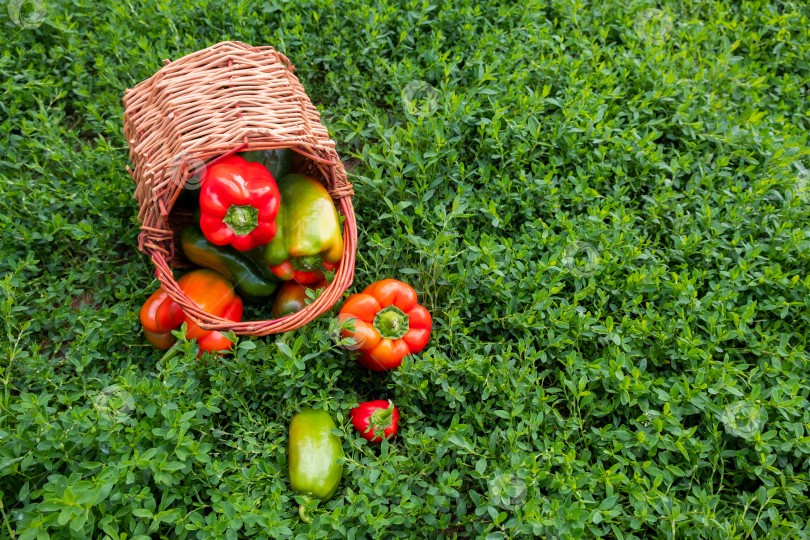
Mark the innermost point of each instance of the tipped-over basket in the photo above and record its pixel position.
(228, 98)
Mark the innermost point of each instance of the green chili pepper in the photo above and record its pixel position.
(252, 283)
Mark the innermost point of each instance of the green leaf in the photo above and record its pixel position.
(285, 349)
(608, 503)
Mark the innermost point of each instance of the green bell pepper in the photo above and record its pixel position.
(313, 456)
(308, 237)
(278, 162)
(252, 282)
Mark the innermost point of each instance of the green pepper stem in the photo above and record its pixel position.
(303, 514)
(310, 263)
(173, 351)
(241, 219)
(391, 323)
(381, 419)
(304, 510)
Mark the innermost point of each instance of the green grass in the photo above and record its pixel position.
(607, 215)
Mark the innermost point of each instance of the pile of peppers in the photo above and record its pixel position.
(265, 235)
(288, 228)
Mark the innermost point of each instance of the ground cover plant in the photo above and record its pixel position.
(604, 205)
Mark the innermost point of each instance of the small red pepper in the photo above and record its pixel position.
(292, 298)
(209, 290)
(239, 202)
(388, 324)
(375, 420)
(159, 316)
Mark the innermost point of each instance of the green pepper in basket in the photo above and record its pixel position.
(292, 298)
(252, 282)
(308, 239)
(278, 162)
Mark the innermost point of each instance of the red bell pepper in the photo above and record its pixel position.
(388, 324)
(209, 290)
(375, 420)
(239, 202)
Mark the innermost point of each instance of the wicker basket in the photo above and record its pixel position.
(228, 98)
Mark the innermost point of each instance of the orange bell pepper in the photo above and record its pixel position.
(209, 290)
(388, 324)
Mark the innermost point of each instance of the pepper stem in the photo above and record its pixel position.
(380, 420)
(391, 323)
(173, 351)
(304, 514)
(241, 219)
(305, 509)
(310, 263)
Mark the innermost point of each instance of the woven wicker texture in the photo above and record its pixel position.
(228, 98)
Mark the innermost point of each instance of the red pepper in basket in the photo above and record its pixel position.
(239, 202)
(159, 316)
